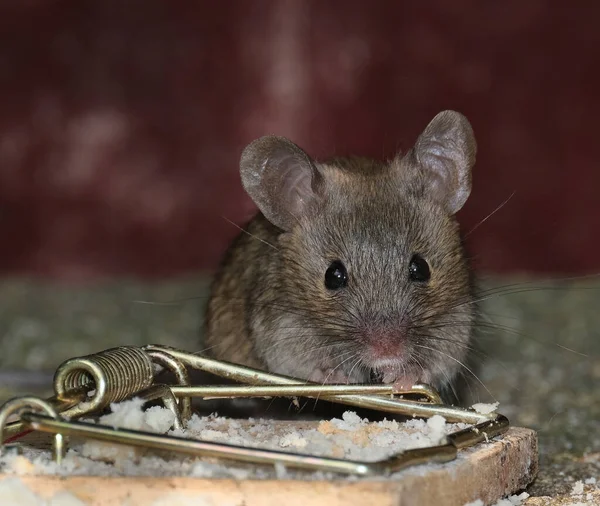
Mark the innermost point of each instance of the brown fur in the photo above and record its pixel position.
(270, 309)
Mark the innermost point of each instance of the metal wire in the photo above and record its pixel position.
(19, 405)
(439, 454)
(164, 393)
(379, 403)
(125, 372)
(322, 391)
(182, 376)
(60, 404)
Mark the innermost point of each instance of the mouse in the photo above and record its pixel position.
(353, 270)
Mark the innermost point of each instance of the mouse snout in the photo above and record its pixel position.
(385, 344)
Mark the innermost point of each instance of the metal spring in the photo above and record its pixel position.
(115, 374)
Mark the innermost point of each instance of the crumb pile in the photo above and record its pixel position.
(349, 437)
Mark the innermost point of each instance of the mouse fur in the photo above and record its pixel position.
(270, 306)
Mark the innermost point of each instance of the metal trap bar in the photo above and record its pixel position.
(375, 402)
(123, 373)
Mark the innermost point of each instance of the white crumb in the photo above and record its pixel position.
(513, 500)
(516, 500)
(293, 440)
(128, 415)
(349, 421)
(437, 426)
(485, 409)
(350, 437)
(577, 488)
(590, 481)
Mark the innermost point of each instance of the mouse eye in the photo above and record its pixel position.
(336, 276)
(418, 269)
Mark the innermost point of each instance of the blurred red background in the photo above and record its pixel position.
(121, 123)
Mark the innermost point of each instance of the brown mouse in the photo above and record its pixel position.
(353, 269)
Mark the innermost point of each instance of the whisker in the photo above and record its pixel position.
(572, 351)
(248, 233)
(489, 215)
(460, 363)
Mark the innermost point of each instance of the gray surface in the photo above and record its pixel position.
(542, 344)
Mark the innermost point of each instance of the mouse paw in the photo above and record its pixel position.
(404, 384)
(328, 376)
(401, 382)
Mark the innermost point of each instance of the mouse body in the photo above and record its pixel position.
(353, 270)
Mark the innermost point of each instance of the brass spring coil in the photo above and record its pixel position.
(115, 374)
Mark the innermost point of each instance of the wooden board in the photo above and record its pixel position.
(488, 472)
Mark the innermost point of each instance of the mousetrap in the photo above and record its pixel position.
(474, 454)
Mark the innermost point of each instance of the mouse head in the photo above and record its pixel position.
(373, 260)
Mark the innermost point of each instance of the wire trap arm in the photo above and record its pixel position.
(85, 386)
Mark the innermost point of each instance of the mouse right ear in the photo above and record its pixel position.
(281, 179)
(445, 154)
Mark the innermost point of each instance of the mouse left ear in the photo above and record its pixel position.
(444, 155)
(282, 180)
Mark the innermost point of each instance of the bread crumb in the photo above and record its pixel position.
(128, 415)
(516, 500)
(349, 437)
(437, 425)
(294, 440)
(485, 409)
(577, 488)
(590, 481)
(513, 500)
(326, 427)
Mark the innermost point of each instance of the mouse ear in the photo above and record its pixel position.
(281, 179)
(445, 154)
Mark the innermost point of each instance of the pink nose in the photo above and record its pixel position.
(385, 344)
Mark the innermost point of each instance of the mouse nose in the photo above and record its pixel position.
(385, 344)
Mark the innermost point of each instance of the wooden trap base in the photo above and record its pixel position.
(488, 471)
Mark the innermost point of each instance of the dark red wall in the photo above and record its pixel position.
(121, 123)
